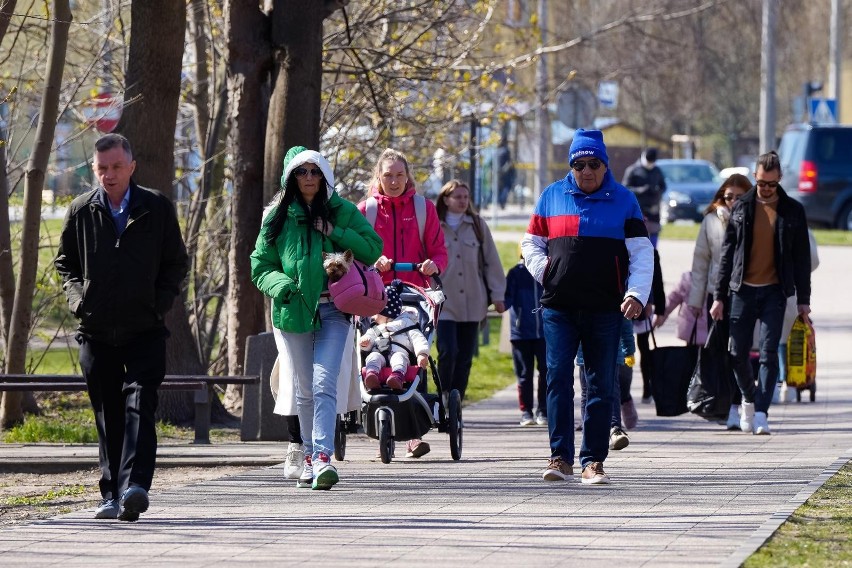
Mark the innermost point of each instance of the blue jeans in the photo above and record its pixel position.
(531, 393)
(600, 333)
(316, 359)
(749, 304)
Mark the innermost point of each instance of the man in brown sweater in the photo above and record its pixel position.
(765, 260)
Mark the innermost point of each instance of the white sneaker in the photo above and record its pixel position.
(746, 416)
(618, 439)
(734, 417)
(527, 418)
(293, 463)
(325, 474)
(306, 479)
(761, 424)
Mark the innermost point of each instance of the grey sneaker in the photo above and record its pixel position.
(307, 478)
(618, 439)
(527, 418)
(557, 470)
(107, 509)
(593, 474)
(294, 461)
(133, 502)
(541, 418)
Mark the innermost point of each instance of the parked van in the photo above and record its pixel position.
(816, 162)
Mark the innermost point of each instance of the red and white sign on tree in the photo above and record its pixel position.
(104, 111)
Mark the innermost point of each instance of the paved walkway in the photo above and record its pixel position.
(684, 492)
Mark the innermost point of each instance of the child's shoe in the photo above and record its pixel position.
(395, 381)
(371, 380)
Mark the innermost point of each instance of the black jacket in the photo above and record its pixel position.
(648, 187)
(121, 287)
(792, 248)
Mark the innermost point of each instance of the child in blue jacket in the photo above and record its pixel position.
(523, 295)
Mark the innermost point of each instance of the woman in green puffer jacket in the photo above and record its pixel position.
(305, 219)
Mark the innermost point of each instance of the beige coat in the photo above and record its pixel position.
(464, 280)
(707, 256)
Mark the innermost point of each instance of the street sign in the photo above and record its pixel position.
(823, 111)
(608, 94)
(104, 111)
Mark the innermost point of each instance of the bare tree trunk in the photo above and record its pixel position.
(7, 271)
(248, 59)
(149, 120)
(7, 8)
(19, 329)
(294, 108)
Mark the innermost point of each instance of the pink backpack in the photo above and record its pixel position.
(360, 292)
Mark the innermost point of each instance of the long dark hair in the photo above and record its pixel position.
(318, 209)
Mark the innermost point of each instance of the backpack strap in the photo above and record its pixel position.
(420, 213)
(371, 210)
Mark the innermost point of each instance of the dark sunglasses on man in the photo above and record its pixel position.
(580, 165)
(763, 183)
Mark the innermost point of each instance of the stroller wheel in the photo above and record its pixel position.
(454, 426)
(385, 437)
(339, 439)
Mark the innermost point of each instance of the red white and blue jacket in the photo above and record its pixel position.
(589, 251)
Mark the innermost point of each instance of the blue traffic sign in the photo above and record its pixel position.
(823, 110)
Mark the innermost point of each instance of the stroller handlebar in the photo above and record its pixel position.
(415, 267)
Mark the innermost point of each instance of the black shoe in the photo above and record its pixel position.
(133, 502)
(107, 509)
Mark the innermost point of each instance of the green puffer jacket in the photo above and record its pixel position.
(290, 271)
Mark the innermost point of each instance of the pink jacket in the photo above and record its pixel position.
(677, 298)
(396, 224)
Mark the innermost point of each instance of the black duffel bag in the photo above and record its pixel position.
(671, 375)
(709, 394)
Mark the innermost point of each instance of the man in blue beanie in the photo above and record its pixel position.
(588, 246)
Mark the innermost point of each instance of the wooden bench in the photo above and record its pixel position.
(201, 384)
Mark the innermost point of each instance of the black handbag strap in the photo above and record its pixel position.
(693, 337)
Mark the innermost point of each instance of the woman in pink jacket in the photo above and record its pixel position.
(392, 207)
(395, 220)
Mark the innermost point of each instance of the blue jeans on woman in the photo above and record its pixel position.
(600, 333)
(749, 304)
(316, 359)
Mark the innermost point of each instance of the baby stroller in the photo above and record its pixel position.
(398, 416)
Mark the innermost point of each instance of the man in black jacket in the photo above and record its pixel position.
(766, 258)
(122, 260)
(645, 179)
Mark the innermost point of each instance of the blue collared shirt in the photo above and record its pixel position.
(120, 215)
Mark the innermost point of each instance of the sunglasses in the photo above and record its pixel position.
(731, 197)
(580, 165)
(762, 183)
(302, 172)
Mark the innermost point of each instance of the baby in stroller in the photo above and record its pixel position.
(393, 339)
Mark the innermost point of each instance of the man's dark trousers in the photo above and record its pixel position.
(122, 383)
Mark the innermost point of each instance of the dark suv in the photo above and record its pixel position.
(816, 162)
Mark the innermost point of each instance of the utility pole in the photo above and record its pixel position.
(767, 78)
(541, 119)
(835, 48)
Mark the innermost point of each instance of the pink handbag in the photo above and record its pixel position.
(360, 292)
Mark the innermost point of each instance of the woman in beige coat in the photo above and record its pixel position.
(473, 279)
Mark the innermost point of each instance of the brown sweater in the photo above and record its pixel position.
(761, 263)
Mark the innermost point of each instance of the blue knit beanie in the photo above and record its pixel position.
(588, 144)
